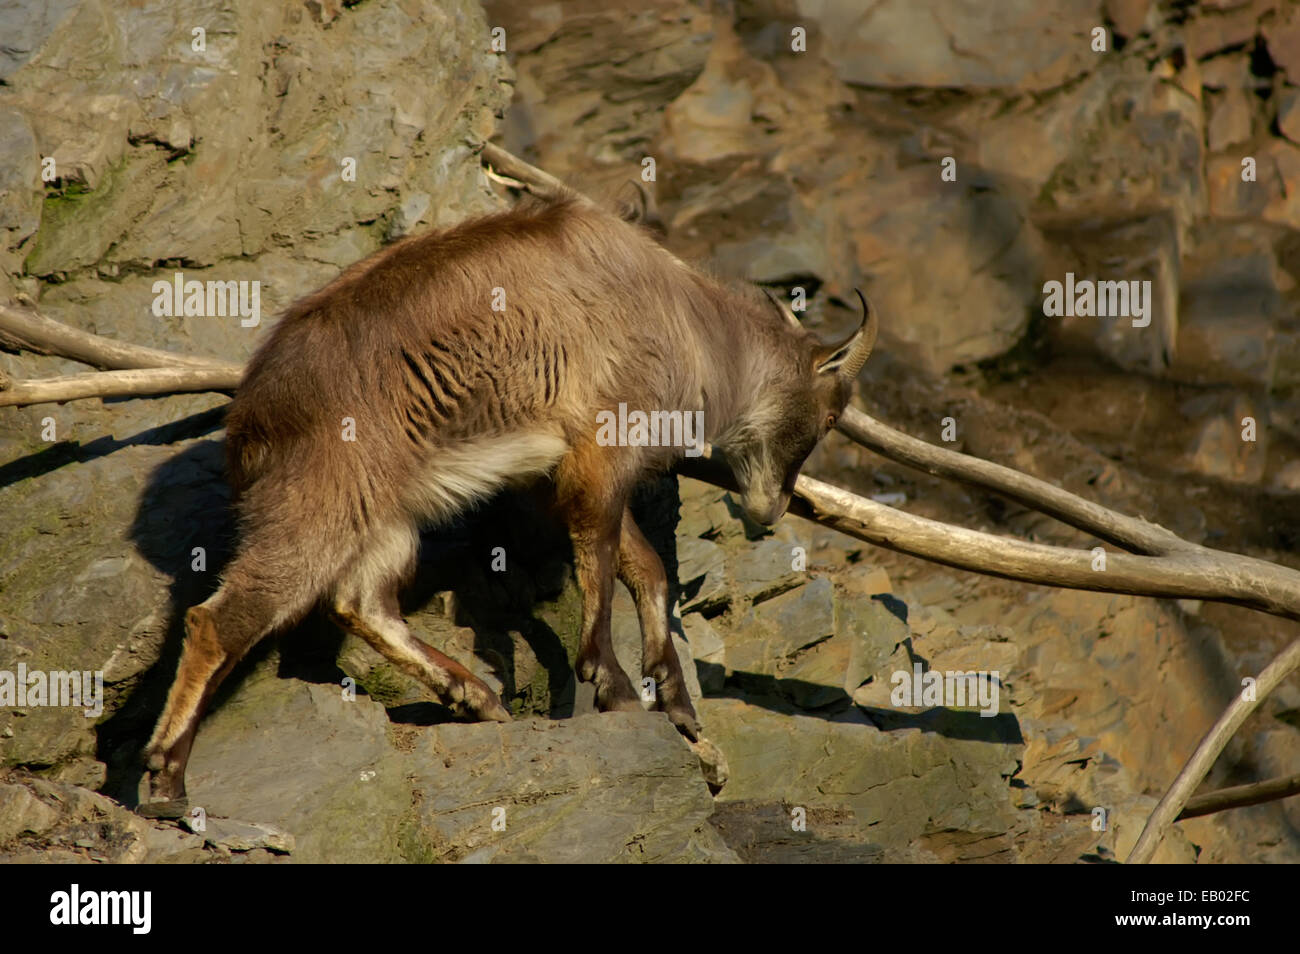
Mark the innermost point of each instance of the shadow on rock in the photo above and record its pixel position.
(65, 452)
(502, 571)
(776, 694)
(183, 527)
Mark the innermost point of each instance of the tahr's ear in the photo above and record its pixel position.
(786, 313)
(847, 359)
(635, 207)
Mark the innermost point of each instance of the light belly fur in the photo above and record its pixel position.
(457, 476)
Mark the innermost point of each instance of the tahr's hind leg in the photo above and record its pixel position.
(268, 584)
(218, 633)
(365, 604)
(642, 572)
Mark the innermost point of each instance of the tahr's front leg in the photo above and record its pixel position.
(642, 572)
(594, 526)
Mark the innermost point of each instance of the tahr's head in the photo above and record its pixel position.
(804, 388)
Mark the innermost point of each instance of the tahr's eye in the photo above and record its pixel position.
(830, 420)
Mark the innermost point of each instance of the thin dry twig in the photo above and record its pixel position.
(1240, 796)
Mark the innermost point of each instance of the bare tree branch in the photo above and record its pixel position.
(1190, 573)
(1171, 805)
(1239, 579)
(1241, 796)
(31, 331)
(138, 382)
(1136, 535)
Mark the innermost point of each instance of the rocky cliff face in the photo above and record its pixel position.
(793, 143)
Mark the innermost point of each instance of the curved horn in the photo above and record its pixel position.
(847, 359)
(786, 313)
